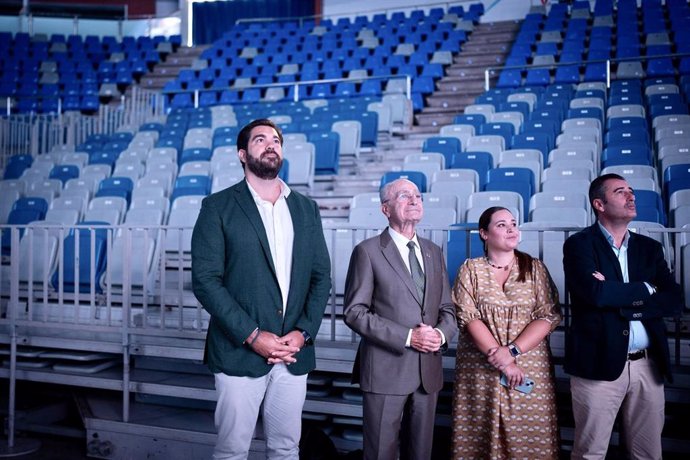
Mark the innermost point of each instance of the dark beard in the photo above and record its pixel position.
(263, 169)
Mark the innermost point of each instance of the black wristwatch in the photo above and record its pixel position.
(514, 350)
(307, 338)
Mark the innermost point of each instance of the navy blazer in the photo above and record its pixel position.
(597, 341)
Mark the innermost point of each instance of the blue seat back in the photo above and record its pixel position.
(481, 162)
(416, 177)
(463, 243)
(77, 246)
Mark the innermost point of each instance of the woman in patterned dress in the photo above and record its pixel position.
(507, 305)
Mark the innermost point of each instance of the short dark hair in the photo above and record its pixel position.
(245, 133)
(597, 189)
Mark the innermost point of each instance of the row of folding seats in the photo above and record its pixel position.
(84, 270)
(128, 157)
(615, 112)
(558, 38)
(281, 54)
(38, 73)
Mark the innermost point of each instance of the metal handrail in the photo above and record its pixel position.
(366, 12)
(296, 85)
(489, 70)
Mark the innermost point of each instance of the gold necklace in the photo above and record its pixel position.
(500, 267)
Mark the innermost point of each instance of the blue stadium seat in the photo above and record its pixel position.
(191, 185)
(24, 211)
(538, 77)
(650, 207)
(116, 186)
(459, 237)
(327, 152)
(520, 180)
(474, 119)
(107, 158)
(481, 162)
(81, 251)
(448, 146)
(195, 154)
(16, 165)
(627, 154)
(370, 128)
(417, 177)
(676, 177)
(660, 67)
(505, 130)
(510, 78)
(64, 173)
(542, 141)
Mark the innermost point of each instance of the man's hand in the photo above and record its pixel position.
(500, 358)
(277, 349)
(425, 339)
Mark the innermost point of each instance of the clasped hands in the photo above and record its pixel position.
(425, 339)
(278, 349)
(501, 359)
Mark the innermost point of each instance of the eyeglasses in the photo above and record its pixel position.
(402, 197)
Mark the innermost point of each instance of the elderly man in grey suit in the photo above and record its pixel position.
(397, 298)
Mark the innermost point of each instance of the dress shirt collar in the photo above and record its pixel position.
(401, 240)
(284, 191)
(610, 239)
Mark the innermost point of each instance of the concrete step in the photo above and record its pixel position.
(464, 61)
(473, 85)
(440, 101)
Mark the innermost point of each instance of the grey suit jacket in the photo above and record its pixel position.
(381, 305)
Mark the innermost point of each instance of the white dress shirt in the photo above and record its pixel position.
(401, 244)
(280, 233)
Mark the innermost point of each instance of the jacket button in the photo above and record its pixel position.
(279, 312)
(626, 332)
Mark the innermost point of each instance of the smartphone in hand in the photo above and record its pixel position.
(526, 387)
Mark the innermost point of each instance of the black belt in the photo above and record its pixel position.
(634, 356)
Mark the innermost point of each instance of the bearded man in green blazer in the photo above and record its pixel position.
(260, 267)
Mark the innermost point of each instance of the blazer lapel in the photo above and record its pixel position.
(633, 258)
(246, 202)
(606, 250)
(429, 267)
(300, 243)
(392, 255)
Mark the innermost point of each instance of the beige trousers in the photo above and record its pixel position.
(639, 395)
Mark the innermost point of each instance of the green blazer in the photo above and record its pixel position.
(234, 279)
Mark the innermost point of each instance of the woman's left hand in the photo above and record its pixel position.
(500, 358)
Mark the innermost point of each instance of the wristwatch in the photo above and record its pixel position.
(307, 338)
(514, 350)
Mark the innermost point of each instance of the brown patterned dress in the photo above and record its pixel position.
(489, 420)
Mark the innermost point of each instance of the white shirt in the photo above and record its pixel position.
(280, 233)
(638, 339)
(401, 244)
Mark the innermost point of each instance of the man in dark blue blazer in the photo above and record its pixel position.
(616, 348)
(260, 267)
